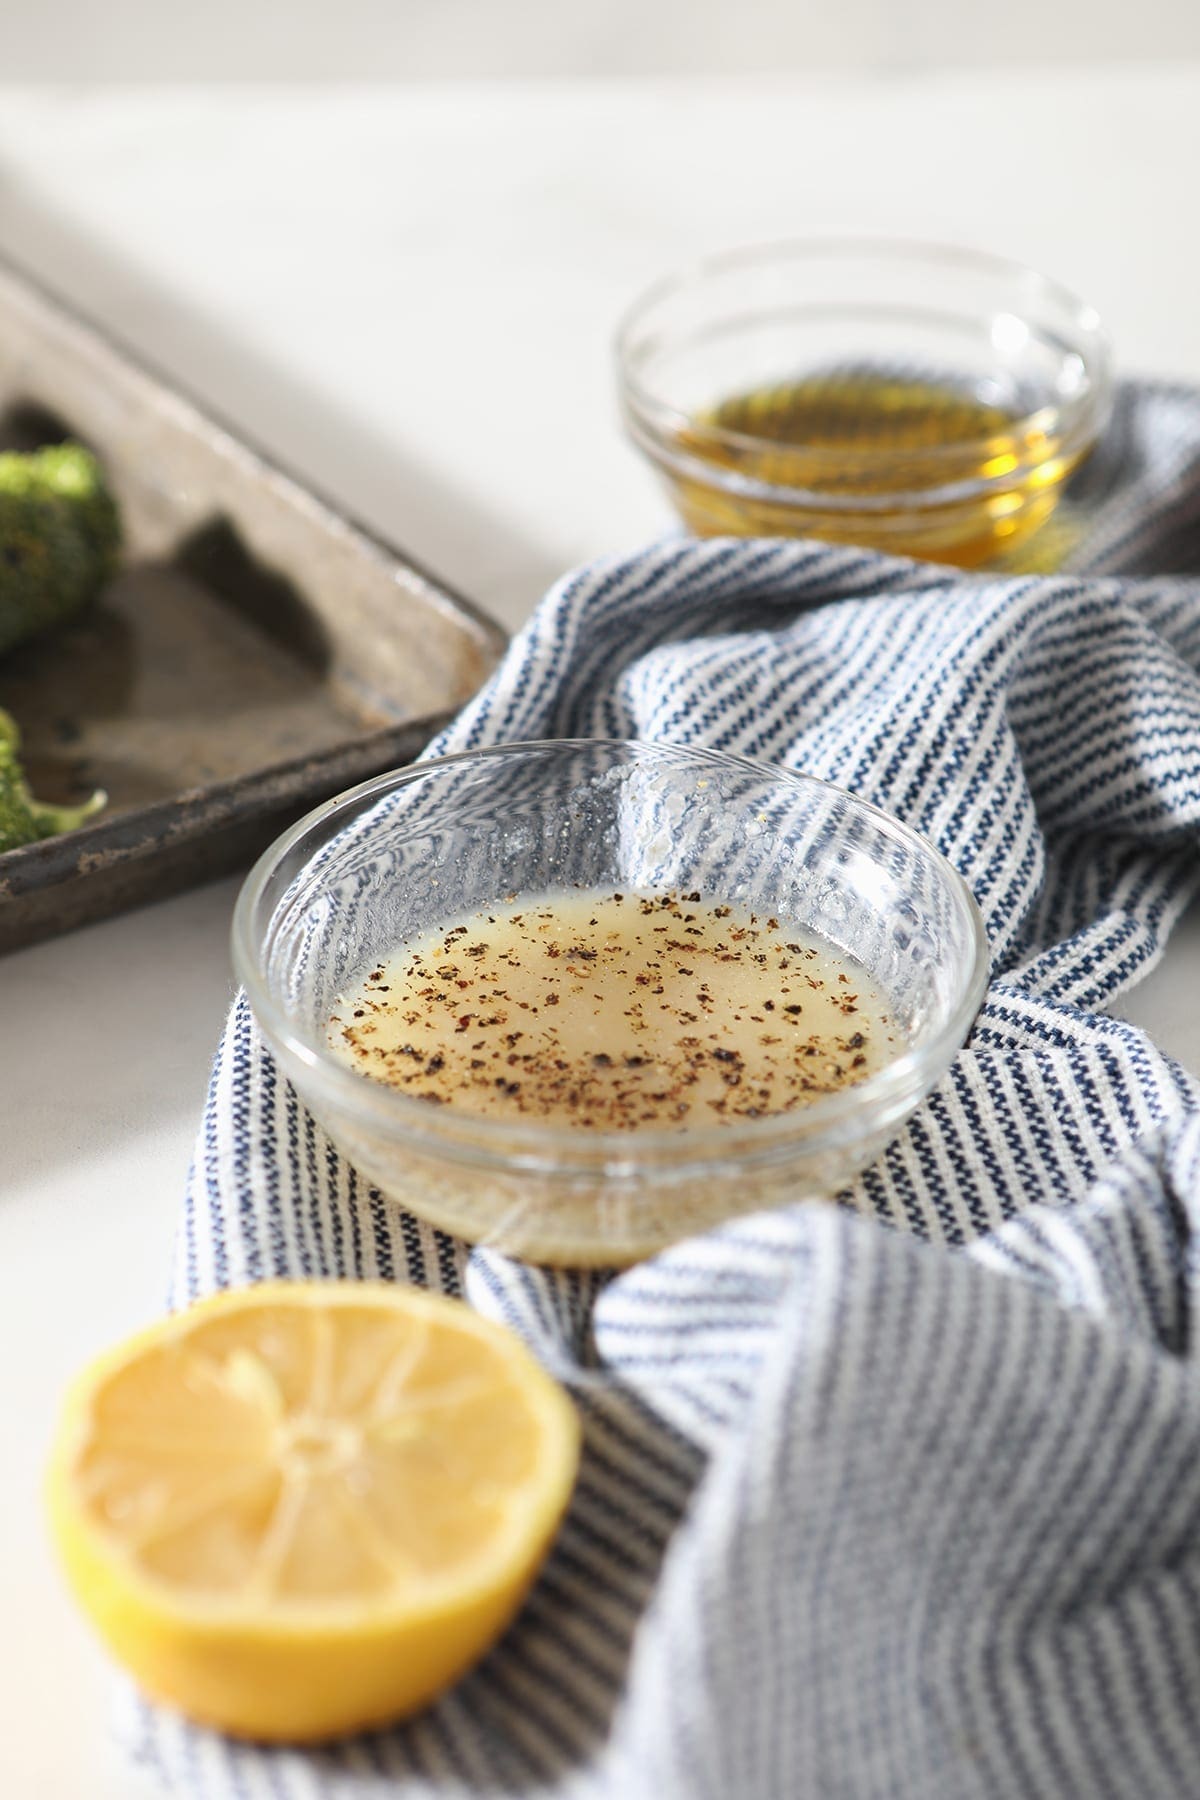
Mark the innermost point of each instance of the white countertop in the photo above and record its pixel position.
(409, 296)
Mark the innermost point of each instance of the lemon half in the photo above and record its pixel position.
(300, 1509)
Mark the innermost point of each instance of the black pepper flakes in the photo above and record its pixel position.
(683, 964)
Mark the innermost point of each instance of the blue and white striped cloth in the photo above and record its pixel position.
(901, 1496)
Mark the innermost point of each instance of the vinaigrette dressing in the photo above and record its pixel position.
(616, 1011)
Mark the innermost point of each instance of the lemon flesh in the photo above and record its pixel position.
(299, 1509)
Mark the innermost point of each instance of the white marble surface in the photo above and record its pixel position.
(412, 40)
(410, 297)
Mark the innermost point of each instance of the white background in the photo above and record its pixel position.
(405, 40)
(408, 292)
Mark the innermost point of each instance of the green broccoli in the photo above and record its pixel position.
(23, 820)
(59, 537)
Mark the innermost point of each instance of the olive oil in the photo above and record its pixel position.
(910, 466)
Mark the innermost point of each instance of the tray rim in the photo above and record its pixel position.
(235, 798)
(246, 446)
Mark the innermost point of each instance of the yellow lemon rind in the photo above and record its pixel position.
(307, 1673)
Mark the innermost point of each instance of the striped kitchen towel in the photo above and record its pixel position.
(899, 1496)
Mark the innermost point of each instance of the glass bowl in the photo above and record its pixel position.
(917, 399)
(412, 850)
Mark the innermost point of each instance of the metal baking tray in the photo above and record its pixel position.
(256, 652)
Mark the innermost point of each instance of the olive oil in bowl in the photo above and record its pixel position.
(910, 466)
(919, 399)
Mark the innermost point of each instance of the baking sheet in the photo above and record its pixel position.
(257, 651)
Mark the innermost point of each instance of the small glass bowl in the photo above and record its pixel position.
(444, 839)
(917, 399)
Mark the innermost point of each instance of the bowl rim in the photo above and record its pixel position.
(471, 1137)
(656, 425)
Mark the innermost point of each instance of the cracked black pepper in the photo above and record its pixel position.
(616, 1012)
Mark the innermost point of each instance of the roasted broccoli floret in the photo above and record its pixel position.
(23, 820)
(59, 537)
